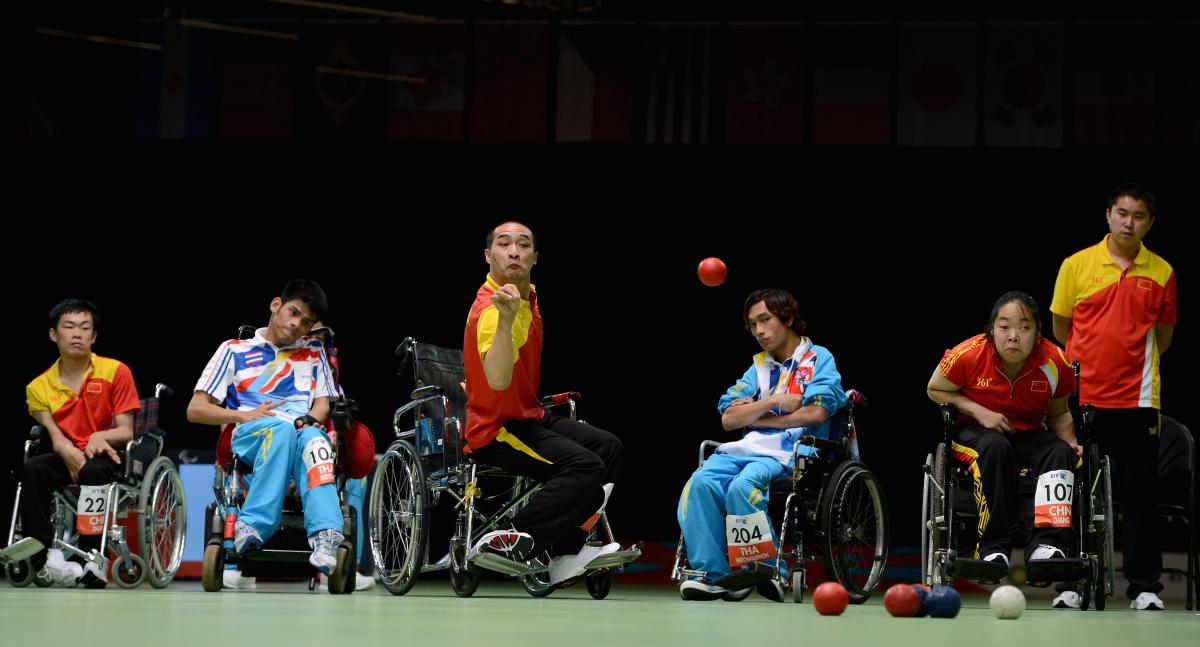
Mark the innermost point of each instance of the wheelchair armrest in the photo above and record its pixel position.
(949, 412)
(396, 418)
(341, 414)
(560, 399)
(426, 391)
(35, 434)
(162, 390)
(1088, 411)
(706, 444)
(819, 443)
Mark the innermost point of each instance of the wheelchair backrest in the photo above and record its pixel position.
(842, 426)
(1176, 448)
(442, 367)
(150, 438)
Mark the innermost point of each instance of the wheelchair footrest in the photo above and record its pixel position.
(1069, 569)
(493, 562)
(21, 549)
(978, 569)
(745, 578)
(616, 559)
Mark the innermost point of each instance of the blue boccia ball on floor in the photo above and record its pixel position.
(922, 591)
(943, 602)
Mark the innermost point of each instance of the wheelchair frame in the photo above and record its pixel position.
(406, 487)
(1092, 516)
(823, 505)
(142, 485)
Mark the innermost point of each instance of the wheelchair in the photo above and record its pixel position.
(835, 508)
(949, 516)
(426, 465)
(285, 554)
(150, 488)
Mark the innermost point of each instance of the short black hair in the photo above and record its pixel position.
(73, 305)
(1137, 192)
(310, 293)
(492, 232)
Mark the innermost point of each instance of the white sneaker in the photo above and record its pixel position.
(996, 557)
(1067, 600)
(564, 567)
(1147, 602)
(1045, 551)
(325, 544)
(245, 538)
(361, 582)
(234, 580)
(59, 571)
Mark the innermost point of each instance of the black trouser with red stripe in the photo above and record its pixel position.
(992, 460)
(41, 476)
(1130, 438)
(571, 460)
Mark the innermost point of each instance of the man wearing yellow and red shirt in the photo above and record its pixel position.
(1010, 386)
(507, 426)
(1115, 307)
(86, 404)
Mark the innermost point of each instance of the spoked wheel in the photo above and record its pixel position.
(1101, 528)
(464, 578)
(936, 548)
(162, 525)
(854, 521)
(398, 517)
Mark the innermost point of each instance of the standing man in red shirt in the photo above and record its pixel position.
(86, 404)
(507, 426)
(1115, 307)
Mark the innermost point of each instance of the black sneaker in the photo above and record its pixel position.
(697, 590)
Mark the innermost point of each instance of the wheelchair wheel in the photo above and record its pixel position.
(854, 521)
(538, 584)
(464, 578)
(936, 547)
(213, 569)
(599, 583)
(1101, 528)
(798, 586)
(20, 573)
(129, 575)
(398, 528)
(162, 524)
(341, 580)
(926, 545)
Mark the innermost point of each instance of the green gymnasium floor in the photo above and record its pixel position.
(502, 614)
